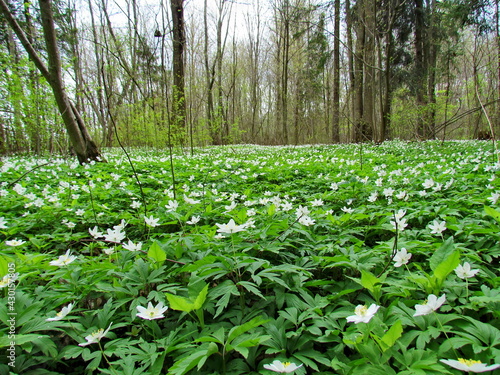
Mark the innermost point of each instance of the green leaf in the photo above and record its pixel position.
(179, 303)
(251, 287)
(156, 253)
(4, 269)
(369, 280)
(391, 336)
(197, 358)
(442, 253)
(447, 266)
(19, 339)
(492, 212)
(239, 330)
(200, 299)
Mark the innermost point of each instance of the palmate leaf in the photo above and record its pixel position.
(391, 336)
(222, 294)
(20, 339)
(198, 358)
(369, 281)
(187, 304)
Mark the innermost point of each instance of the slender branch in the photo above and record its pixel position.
(24, 40)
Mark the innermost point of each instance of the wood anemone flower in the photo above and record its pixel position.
(433, 303)
(95, 336)
(469, 365)
(363, 314)
(283, 367)
(151, 312)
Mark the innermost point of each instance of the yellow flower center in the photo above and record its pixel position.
(468, 362)
(97, 333)
(360, 310)
(286, 364)
(59, 313)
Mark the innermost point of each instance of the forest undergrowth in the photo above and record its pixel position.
(342, 259)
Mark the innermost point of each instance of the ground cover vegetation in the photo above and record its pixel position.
(345, 259)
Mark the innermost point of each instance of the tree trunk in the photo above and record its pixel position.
(420, 69)
(210, 79)
(359, 125)
(497, 123)
(336, 75)
(369, 70)
(179, 43)
(83, 145)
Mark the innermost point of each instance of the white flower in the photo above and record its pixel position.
(433, 303)
(2, 223)
(317, 203)
(363, 314)
(347, 210)
(402, 195)
(230, 227)
(373, 196)
(388, 192)
(437, 227)
(114, 235)
(399, 224)
(80, 212)
(151, 221)
(469, 365)
(464, 272)
(306, 220)
(283, 367)
(8, 279)
(401, 257)
(120, 226)
(494, 197)
(108, 250)
(286, 206)
(438, 187)
(95, 336)
(15, 242)
(250, 223)
(152, 312)
(61, 314)
(230, 207)
(130, 246)
(190, 200)
(194, 220)
(400, 214)
(302, 211)
(428, 183)
(63, 260)
(70, 224)
(135, 204)
(94, 232)
(172, 206)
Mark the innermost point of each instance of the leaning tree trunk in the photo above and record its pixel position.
(83, 145)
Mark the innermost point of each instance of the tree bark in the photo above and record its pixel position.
(358, 85)
(336, 75)
(179, 43)
(420, 69)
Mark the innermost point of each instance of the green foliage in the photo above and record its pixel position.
(266, 254)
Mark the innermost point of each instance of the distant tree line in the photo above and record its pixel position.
(267, 71)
